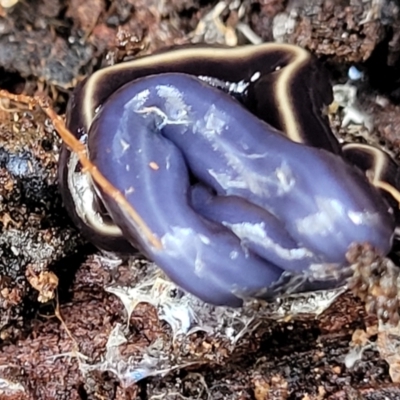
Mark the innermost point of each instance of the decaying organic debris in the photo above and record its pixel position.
(115, 330)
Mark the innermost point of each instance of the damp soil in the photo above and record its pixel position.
(56, 310)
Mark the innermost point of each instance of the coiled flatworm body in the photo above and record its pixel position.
(235, 203)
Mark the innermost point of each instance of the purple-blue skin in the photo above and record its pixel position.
(257, 229)
(298, 91)
(202, 257)
(151, 129)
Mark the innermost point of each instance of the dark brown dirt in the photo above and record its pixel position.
(58, 306)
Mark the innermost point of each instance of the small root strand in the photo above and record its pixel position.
(79, 148)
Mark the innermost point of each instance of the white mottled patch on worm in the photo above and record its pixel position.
(194, 243)
(286, 179)
(256, 233)
(238, 157)
(176, 108)
(199, 265)
(274, 184)
(227, 182)
(364, 218)
(213, 123)
(120, 142)
(323, 221)
(138, 101)
(168, 162)
(125, 145)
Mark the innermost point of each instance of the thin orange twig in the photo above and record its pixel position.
(79, 148)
